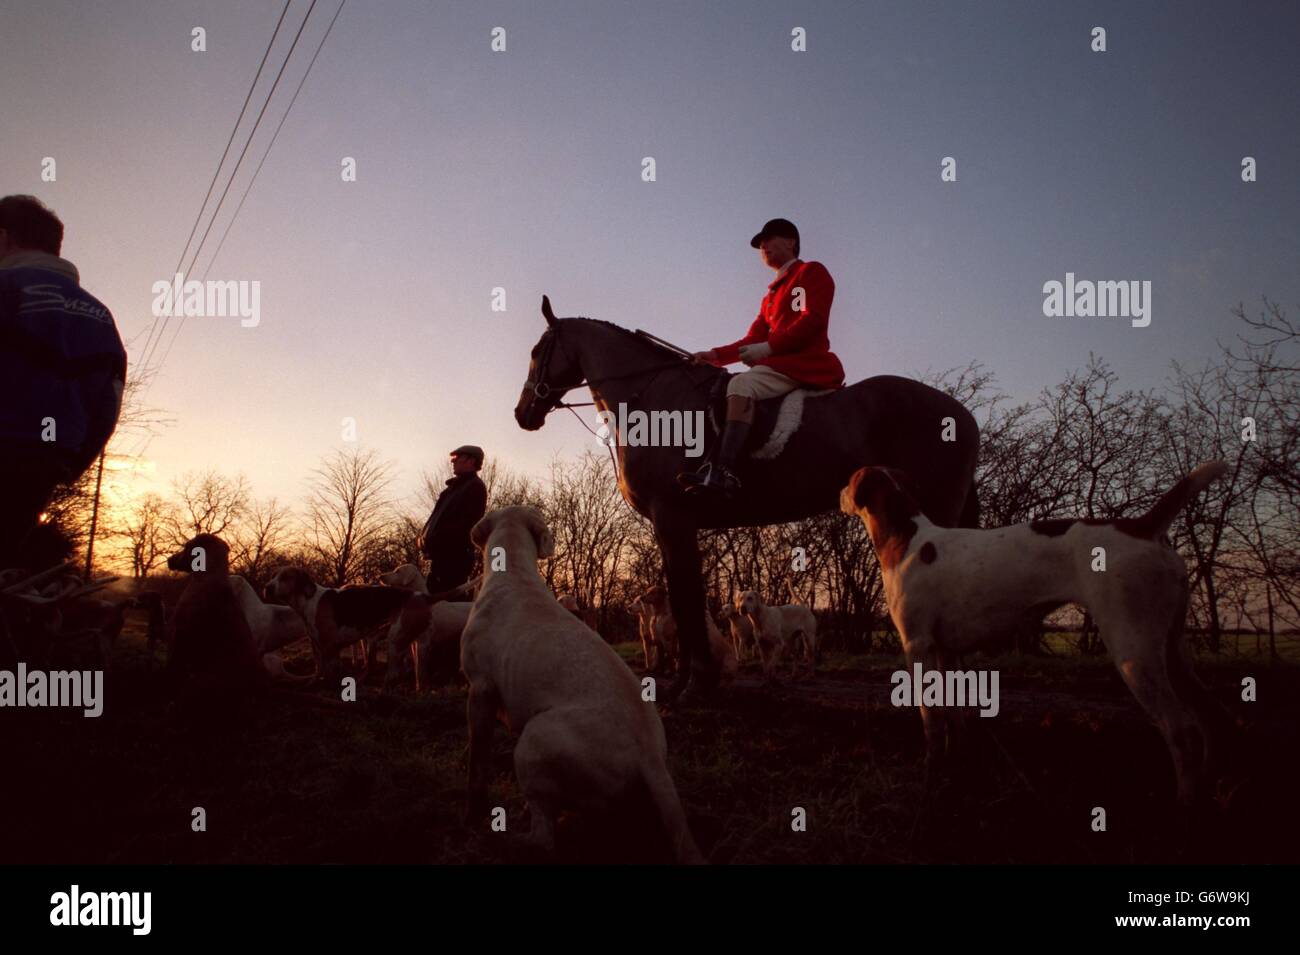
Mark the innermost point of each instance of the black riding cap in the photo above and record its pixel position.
(780, 227)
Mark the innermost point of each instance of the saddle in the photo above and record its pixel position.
(775, 419)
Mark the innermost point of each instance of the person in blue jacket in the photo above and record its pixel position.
(62, 370)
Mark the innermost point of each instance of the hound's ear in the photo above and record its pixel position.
(542, 536)
(481, 531)
(306, 586)
(546, 310)
(849, 500)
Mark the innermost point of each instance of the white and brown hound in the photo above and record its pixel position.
(274, 627)
(951, 590)
(338, 618)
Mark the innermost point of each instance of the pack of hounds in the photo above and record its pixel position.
(588, 736)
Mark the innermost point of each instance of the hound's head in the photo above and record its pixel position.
(203, 553)
(504, 518)
(729, 612)
(881, 492)
(290, 584)
(552, 371)
(886, 500)
(404, 577)
(655, 599)
(750, 602)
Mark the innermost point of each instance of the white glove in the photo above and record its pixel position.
(750, 354)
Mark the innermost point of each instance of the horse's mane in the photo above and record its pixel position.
(630, 333)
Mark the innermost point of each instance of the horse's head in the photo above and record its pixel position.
(552, 371)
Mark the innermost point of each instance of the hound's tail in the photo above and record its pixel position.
(275, 669)
(1156, 521)
(669, 806)
(796, 599)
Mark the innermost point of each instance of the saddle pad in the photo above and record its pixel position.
(775, 419)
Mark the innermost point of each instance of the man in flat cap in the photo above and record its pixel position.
(786, 348)
(461, 505)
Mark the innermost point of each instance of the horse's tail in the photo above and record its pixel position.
(970, 510)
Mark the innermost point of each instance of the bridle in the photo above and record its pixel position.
(553, 395)
(542, 389)
(548, 396)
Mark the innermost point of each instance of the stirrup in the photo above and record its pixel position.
(716, 478)
(697, 478)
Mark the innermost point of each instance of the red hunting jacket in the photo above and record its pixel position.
(800, 346)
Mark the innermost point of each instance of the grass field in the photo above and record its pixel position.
(300, 779)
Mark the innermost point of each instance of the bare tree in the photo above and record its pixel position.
(146, 528)
(348, 507)
(207, 503)
(259, 536)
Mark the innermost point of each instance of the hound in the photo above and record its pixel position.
(777, 630)
(587, 740)
(421, 627)
(742, 631)
(274, 627)
(645, 628)
(661, 627)
(663, 630)
(337, 618)
(952, 590)
(211, 637)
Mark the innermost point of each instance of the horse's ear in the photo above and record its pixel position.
(546, 310)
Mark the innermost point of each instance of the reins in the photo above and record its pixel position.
(542, 389)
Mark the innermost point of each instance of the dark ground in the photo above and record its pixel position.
(299, 778)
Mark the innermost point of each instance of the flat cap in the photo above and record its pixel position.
(471, 451)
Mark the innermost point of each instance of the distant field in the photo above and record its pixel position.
(382, 780)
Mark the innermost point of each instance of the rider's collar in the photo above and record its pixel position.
(785, 270)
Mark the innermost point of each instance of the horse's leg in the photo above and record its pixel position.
(681, 553)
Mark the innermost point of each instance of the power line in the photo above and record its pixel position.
(234, 172)
(274, 135)
(212, 185)
(149, 438)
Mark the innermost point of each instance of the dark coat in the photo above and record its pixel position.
(459, 507)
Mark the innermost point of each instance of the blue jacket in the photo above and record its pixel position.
(61, 358)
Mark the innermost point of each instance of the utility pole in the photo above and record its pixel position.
(94, 516)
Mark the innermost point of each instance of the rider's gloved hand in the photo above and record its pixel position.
(750, 354)
(705, 357)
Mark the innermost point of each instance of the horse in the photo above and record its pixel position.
(884, 420)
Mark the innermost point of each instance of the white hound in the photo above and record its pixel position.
(587, 739)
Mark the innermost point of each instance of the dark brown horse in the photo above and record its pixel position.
(888, 421)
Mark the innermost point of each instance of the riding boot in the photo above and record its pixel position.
(717, 474)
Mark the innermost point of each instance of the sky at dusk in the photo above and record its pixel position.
(522, 170)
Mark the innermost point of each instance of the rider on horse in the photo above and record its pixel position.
(786, 348)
